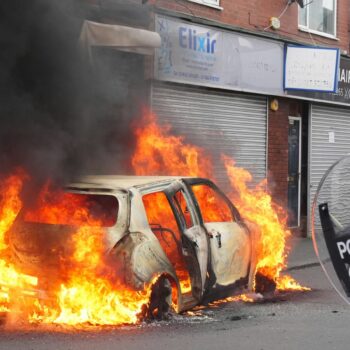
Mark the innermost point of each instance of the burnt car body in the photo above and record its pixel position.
(185, 229)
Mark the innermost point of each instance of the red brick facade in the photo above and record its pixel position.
(254, 15)
(278, 129)
(278, 152)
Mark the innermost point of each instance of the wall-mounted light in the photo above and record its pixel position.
(274, 105)
(275, 23)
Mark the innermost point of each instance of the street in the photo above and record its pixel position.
(314, 320)
(190, 146)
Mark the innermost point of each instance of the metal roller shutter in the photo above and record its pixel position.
(323, 154)
(221, 122)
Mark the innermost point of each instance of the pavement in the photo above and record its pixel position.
(302, 253)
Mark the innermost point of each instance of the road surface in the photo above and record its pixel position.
(315, 320)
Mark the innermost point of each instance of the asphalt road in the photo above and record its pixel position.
(315, 320)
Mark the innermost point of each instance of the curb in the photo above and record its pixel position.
(302, 266)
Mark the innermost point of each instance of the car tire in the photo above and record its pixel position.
(160, 303)
(264, 285)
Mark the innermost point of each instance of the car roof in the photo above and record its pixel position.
(120, 181)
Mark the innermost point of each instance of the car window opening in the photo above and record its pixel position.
(212, 205)
(74, 209)
(164, 226)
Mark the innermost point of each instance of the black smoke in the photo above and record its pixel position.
(60, 115)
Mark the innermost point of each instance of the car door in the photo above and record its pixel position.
(230, 246)
(195, 241)
(176, 231)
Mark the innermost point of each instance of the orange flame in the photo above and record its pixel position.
(159, 214)
(246, 298)
(286, 283)
(256, 206)
(160, 153)
(91, 291)
(88, 297)
(10, 205)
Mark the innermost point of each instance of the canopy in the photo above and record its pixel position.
(119, 37)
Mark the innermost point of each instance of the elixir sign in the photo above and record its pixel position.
(189, 39)
(206, 56)
(188, 52)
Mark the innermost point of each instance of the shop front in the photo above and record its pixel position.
(224, 91)
(211, 85)
(329, 129)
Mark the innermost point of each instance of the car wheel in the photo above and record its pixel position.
(160, 302)
(264, 285)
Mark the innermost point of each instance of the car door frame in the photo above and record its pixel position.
(187, 244)
(189, 182)
(170, 191)
(202, 181)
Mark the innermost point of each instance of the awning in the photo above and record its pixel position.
(119, 37)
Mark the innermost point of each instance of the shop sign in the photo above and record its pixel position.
(205, 56)
(311, 68)
(343, 90)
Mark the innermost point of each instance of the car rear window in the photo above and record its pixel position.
(74, 209)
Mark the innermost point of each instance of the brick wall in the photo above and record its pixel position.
(255, 14)
(278, 152)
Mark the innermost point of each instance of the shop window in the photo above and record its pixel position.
(319, 16)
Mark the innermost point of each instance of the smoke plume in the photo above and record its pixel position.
(60, 116)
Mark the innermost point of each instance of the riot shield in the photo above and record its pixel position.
(331, 225)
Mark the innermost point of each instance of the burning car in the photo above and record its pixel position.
(180, 234)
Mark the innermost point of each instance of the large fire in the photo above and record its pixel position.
(159, 152)
(91, 293)
(159, 214)
(10, 205)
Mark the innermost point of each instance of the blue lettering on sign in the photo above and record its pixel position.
(188, 39)
(182, 37)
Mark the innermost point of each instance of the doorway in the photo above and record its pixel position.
(294, 171)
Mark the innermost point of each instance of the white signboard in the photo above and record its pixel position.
(328, 4)
(207, 56)
(311, 68)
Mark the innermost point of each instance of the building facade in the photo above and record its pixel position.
(289, 136)
(219, 79)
